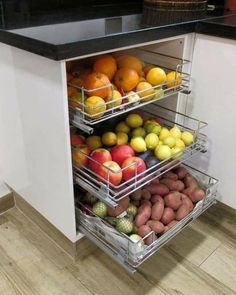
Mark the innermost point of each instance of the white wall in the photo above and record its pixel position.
(213, 99)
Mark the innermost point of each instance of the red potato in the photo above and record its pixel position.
(197, 195)
(142, 206)
(143, 215)
(168, 216)
(157, 210)
(170, 175)
(182, 212)
(172, 223)
(122, 206)
(136, 196)
(166, 228)
(145, 230)
(190, 181)
(173, 185)
(158, 189)
(155, 181)
(188, 191)
(156, 198)
(181, 172)
(146, 202)
(146, 195)
(186, 200)
(173, 200)
(156, 226)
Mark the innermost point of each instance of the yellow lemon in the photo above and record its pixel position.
(94, 142)
(122, 127)
(138, 144)
(122, 138)
(187, 137)
(179, 143)
(134, 120)
(175, 131)
(115, 97)
(95, 106)
(176, 152)
(164, 133)
(173, 79)
(170, 141)
(109, 138)
(138, 132)
(151, 141)
(163, 152)
(156, 76)
(145, 91)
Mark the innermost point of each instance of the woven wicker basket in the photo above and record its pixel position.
(161, 12)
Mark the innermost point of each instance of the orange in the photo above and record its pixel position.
(156, 76)
(129, 61)
(105, 65)
(96, 80)
(145, 91)
(116, 96)
(126, 79)
(173, 79)
(95, 106)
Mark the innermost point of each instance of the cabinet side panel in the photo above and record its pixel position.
(213, 100)
(36, 138)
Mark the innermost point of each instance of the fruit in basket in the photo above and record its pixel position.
(132, 210)
(179, 143)
(187, 137)
(76, 100)
(105, 64)
(124, 225)
(138, 132)
(109, 138)
(94, 142)
(163, 152)
(131, 62)
(152, 127)
(96, 80)
(176, 152)
(164, 133)
(159, 93)
(170, 141)
(95, 106)
(100, 209)
(121, 152)
(133, 97)
(173, 79)
(98, 157)
(145, 91)
(122, 138)
(156, 76)
(115, 98)
(151, 141)
(111, 172)
(126, 79)
(76, 140)
(71, 91)
(123, 204)
(147, 68)
(80, 156)
(175, 131)
(122, 127)
(138, 144)
(136, 166)
(134, 120)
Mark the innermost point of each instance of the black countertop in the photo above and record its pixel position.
(66, 33)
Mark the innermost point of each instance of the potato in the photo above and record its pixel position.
(145, 230)
(197, 194)
(136, 196)
(182, 212)
(155, 181)
(143, 215)
(146, 195)
(123, 204)
(146, 202)
(181, 172)
(156, 198)
(168, 215)
(170, 175)
(172, 223)
(188, 191)
(179, 185)
(186, 200)
(158, 189)
(173, 200)
(142, 206)
(157, 210)
(173, 185)
(156, 226)
(166, 228)
(190, 181)
(135, 203)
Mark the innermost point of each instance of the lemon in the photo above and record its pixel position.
(109, 138)
(173, 79)
(159, 144)
(159, 93)
(156, 76)
(122, 138)
(138, 132)
(134, 120)
(164, 133)
(151, 141)
(153, 127)
(95, 106)
(94, 142)
(138, 144)
(163, 152)
(176, 152)
(187, 137)
(179, 143)
(122, 127)
(115, 97)
(175, 131)
(170, 141)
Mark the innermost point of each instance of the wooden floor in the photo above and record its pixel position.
(201, 260)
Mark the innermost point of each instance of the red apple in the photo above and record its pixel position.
(79, 156)
(130, 172)
(112, 175)
(99, 156)
(121, 152)
(76, 140)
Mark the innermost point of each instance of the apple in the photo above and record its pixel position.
(112, 175)
(130, 172)
(76, 140)
(99, 156)
(121, 152)
(79, 156)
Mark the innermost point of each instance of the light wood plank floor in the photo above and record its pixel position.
(200, 260)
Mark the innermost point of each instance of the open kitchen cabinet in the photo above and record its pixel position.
(172, 55)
